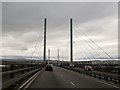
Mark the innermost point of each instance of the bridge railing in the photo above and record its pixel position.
(107, 68)
(100, 75)
(12, 76)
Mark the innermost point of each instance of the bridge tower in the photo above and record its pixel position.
(71, 42)
(58, 54)
(44, 54)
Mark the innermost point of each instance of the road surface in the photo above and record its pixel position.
(63, 78)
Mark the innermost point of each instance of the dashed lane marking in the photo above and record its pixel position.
(72, 83)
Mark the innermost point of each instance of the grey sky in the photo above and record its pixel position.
(23, 23)
(60, 0)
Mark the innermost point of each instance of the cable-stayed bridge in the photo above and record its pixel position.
(68, 62)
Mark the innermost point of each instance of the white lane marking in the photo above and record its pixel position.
(102, 81)
(29, 81)
(33, 79)
(72, 83)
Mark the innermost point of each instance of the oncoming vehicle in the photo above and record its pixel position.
(72, 65)
(88, 68)
(49, 67)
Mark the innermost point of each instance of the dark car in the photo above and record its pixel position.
(49, 67)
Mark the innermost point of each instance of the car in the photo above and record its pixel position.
(49, 67)
(72, 65)
(88, 68)
(59, 65)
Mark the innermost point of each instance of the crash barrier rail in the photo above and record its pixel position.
(113, 68)
(109, 68)
(19, 74)
(104, 76)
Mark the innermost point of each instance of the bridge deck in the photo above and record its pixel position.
(62, 78)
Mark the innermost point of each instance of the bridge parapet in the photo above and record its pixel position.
(100, 75)
(14, 71)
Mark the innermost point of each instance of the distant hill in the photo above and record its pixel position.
(19, 58)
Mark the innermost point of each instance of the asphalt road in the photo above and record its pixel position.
(63, 78)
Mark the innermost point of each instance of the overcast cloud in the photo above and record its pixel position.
(23, 23)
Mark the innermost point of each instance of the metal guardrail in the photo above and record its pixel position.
(16, 79)
(104, 76)
(29, 81)
(19, 70)
(14, 73)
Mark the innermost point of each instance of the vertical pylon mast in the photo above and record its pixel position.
(71, 41)
(44, 56)
(58, 54)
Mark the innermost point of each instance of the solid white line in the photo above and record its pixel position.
(72, 83)
(33, 79)
(29, 80)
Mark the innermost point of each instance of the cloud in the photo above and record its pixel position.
(23, 24)
(28, 16)
(60, 0)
